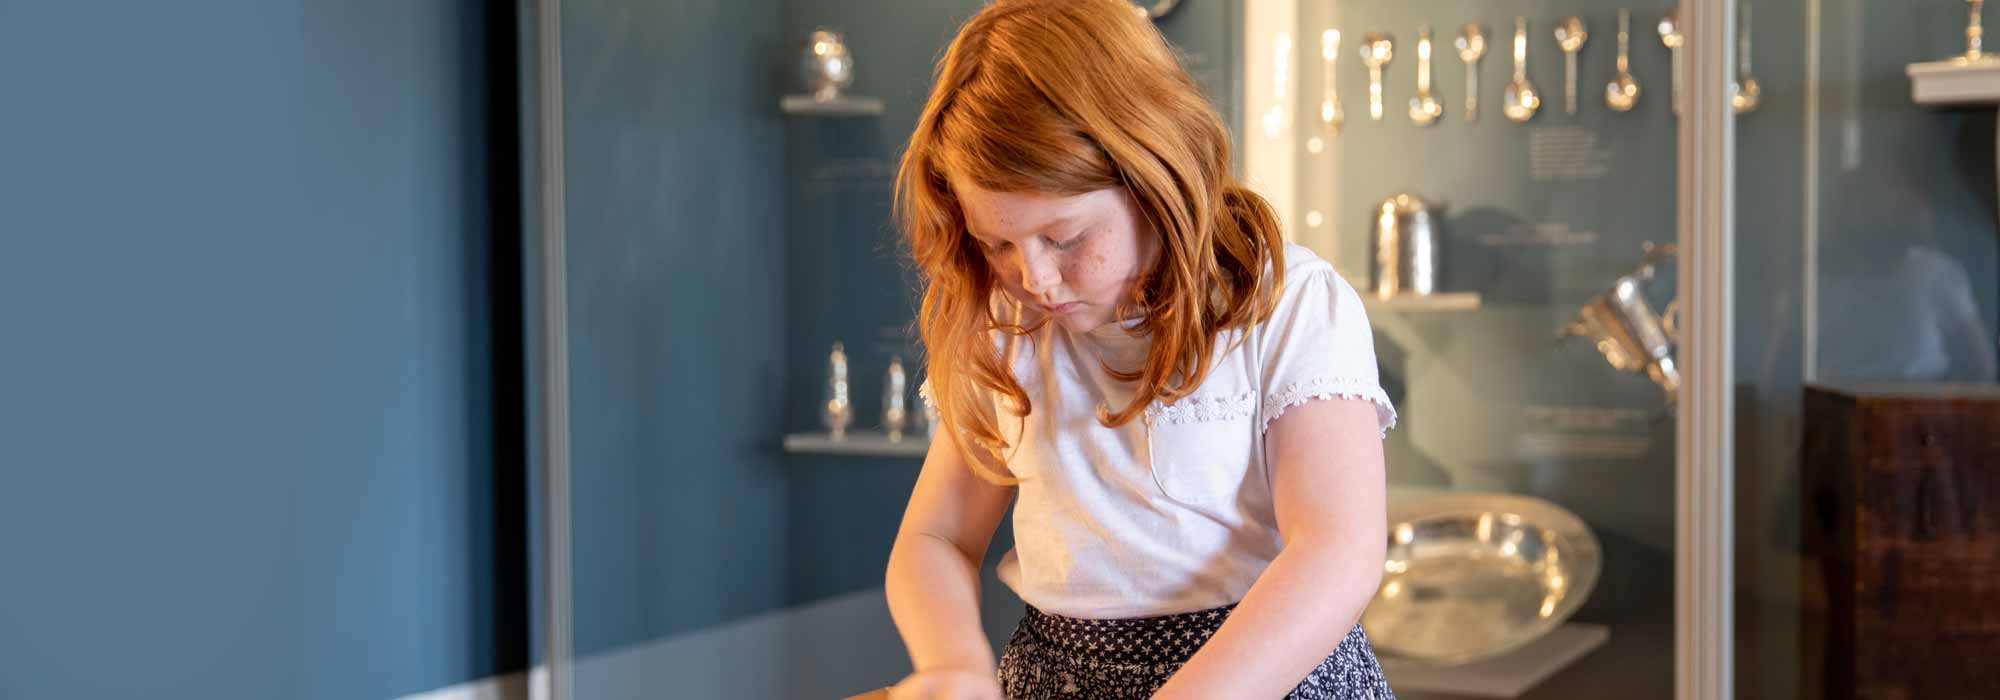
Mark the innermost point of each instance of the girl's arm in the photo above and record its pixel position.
(1327, 483)
(933, 577)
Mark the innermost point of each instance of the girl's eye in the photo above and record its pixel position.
(1066, 244)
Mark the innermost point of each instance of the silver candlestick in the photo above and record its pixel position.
(839, 410)
(895, 411)
(825, 64)
(1974, 33)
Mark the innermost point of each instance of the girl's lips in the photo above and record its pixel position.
(1063, 308)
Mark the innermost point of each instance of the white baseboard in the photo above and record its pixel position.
(513, 686)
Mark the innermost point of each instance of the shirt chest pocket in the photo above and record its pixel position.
(1202, 447)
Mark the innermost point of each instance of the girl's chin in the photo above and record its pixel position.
(1081, 321)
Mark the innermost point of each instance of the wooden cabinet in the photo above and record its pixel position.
(1902, 484)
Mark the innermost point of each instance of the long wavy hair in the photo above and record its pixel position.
(1066, 97)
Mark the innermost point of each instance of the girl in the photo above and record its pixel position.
(1123, 347)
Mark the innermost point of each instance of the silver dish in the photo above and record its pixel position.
(1470, 575)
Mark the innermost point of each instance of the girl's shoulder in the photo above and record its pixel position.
(1314, 291)
(1317, 343)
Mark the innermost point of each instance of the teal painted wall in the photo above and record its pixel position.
(255, 424)
(676, 240)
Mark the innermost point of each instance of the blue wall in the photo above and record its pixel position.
(675, 229)
(247, 414)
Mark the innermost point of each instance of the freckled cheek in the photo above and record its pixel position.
(1009, 277)
(1087, 271)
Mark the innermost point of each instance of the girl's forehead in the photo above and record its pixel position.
(1011, 214)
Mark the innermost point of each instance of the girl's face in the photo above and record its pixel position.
(1073, 257)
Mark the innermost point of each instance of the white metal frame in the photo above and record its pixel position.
(1704, 595)
(1704, 600)
(552, 340)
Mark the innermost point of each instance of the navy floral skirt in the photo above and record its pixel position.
(1059, 658)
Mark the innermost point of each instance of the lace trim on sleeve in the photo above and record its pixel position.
(1317, 388)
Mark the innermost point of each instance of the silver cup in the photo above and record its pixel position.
(1406, 247)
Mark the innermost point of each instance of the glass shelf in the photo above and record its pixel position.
(860, 443)
(1955, 81)
(807, 105)
(1442, 301)
(1509, 675)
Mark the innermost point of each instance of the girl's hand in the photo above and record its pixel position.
(948, 684)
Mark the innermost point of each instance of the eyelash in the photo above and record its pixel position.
(1058, 245)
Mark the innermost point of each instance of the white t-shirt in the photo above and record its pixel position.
(1171, 512)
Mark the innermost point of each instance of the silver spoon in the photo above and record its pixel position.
(1521, 100)
(1330, 115)
(1471, 47)
(1570, 35)
(1744, 93)
(1376, 50)
(1623, 91)
(1670, 35)
(1425, 107)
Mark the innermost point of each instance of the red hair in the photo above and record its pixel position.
(1067, 97)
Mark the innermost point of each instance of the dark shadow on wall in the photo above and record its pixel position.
(501, 618)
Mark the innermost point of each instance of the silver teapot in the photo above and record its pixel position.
(1626, 330)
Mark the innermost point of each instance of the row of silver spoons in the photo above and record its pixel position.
(1521, 100)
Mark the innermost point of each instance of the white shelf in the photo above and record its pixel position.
(1508, 675)
(1442, 301)
(807, 105)
(1956, 81)
(863, 443)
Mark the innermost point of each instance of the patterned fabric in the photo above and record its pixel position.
(1060, 658)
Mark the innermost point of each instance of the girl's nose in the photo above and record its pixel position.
(1039, 274)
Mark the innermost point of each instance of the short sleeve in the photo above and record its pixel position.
(1318, 345)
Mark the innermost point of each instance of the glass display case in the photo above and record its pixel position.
(1605, 246)
(1507, 181)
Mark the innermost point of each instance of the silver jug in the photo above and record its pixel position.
(1406, 247)
(1624, 328)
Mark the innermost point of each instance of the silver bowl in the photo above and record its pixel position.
(1470, 576)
